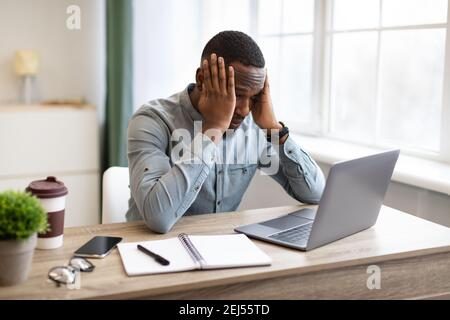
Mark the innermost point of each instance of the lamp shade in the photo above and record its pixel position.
(26, 62)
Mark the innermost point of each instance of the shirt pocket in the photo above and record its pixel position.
(240, 169)
(236, 181)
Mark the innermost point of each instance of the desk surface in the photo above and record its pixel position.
(395, 236)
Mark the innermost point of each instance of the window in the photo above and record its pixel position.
(387, 61)
(369, 71)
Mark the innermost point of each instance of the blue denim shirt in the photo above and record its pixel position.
(167, 183)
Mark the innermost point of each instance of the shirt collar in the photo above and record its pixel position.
(186, 103)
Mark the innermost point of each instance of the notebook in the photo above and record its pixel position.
(192, 252)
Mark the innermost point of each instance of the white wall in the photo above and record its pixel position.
(72, 61)
(265, 192)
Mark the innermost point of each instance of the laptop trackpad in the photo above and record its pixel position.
(285, 222)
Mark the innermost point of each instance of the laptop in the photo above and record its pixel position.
(350, 203)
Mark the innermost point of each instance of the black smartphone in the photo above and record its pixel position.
(97, 247)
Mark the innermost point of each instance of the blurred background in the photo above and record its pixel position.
(349, 77)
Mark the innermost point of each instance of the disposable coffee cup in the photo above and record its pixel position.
(52, 195)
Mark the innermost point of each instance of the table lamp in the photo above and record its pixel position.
(26, 65)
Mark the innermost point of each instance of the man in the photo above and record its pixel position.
(231, 95)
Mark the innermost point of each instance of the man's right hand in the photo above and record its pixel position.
(217, 99)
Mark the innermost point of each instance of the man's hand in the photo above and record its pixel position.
(217, 99)
(262, 110)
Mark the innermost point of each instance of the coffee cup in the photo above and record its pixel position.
(52, 195)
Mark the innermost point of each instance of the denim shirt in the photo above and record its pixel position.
(172, 176)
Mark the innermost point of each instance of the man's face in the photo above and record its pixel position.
(249, 82)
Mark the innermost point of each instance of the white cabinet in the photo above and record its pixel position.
(38, 141)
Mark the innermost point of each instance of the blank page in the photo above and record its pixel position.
(137, 262)
(228, 251)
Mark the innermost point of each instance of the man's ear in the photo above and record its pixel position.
(199, 79)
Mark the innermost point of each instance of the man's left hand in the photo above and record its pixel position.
(262, 111)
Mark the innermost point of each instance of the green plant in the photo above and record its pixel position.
(21, 215)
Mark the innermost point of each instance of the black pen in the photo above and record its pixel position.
(157, 257)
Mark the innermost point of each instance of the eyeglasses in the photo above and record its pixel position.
(67, 274)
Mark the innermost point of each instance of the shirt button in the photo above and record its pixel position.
(220, 171)
(219, 202)
(196, 188)
(290, 151)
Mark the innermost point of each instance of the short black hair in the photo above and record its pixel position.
(235, 46)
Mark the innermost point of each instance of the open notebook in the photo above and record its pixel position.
(192, 252)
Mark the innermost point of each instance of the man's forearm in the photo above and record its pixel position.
(163, 199)
(172, 195)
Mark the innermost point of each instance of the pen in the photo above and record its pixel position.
(157, 257)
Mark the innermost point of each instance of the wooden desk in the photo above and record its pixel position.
(413, 254)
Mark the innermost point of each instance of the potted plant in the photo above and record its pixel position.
(21, 218)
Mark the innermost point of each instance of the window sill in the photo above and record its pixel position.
(422, 173)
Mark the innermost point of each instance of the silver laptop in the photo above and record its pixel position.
(350, 203)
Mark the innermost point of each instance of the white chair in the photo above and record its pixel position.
(116, 193)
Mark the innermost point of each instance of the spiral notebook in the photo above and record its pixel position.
(192, 252)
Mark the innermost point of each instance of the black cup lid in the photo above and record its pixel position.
(48, 188)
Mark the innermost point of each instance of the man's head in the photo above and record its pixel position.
(242, 52)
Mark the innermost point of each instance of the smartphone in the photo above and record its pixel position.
(97, 247)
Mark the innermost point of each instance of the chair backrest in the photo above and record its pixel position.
(116, 193)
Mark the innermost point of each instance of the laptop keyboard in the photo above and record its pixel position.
(298, 234)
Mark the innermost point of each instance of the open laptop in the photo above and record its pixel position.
(350, 203)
